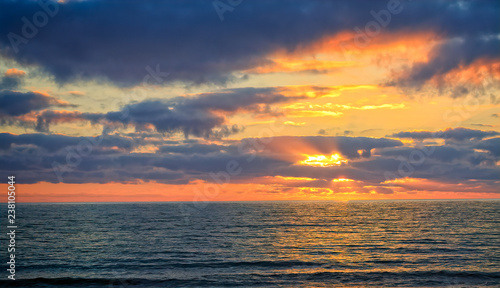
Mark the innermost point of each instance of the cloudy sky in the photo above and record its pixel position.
(250, 100)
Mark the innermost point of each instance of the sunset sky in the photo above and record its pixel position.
(250, 100)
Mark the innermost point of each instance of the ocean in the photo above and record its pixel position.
(256, 244)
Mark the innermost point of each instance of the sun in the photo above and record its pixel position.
(323, 160)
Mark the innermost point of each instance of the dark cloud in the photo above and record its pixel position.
(378, 164)
(203, 115)
(491, 145)
(249, 99)
(197, 149)
(33, 157)
(47, 117)
(442, 153)
(53, 143)
(167, 118)
(199, 115)
(117, 40)
(12, 79)
(349, 147)
(173, 168)
(482, 125)
(383, 190)
(14, 103)
(381, 169)
(10, 82)
(456, 173)
(454, 53)
(458, 134)
(439, 154)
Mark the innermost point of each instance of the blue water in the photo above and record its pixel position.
(266, 244)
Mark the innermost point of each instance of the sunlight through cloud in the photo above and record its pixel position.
(323, 161)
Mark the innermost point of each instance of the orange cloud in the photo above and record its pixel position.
(56, 116)
(260, 189)
(313, 92)
(287, 65)
(403, 45)
(76, 93)
(14, 72)
(385, 47)
(476, 73)
(341, 51)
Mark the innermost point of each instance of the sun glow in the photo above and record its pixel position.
(322, 160)
(342, 180)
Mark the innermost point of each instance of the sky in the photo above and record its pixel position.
(238, 100)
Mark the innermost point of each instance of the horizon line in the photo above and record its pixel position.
(263, 201)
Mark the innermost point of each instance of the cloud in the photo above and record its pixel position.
(482, 125)
(383, 190)
(166, 118)
(442, 154)
(197, 149)
(492, 145)
(202, 115)
(294, 124)
(54, 143)
(33, 157)
(348, 147)
(450, 55)
(10, 83)
(13, 72)
(76, 93)
(14, 103)
(12, 79)
(188, 40)
(232, 100)
(458, 134)
(48, 117)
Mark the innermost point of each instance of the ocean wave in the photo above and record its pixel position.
(440, 278)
